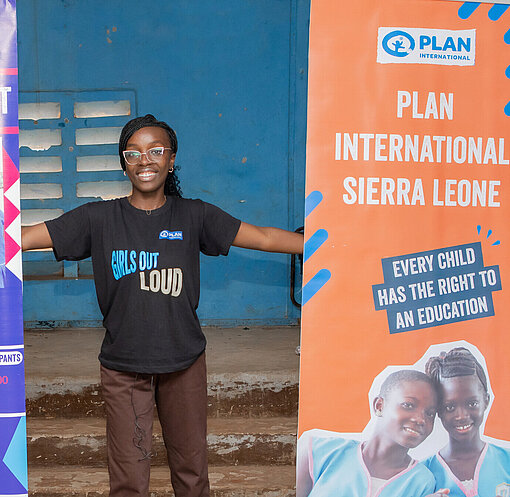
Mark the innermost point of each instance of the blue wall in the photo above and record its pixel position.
(229, 76)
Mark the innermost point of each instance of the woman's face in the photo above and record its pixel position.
(463, 404)
(149, 175)
(407, 413)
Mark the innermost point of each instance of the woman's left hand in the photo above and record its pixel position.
(268, 239)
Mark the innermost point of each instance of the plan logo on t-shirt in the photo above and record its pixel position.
(170, 235)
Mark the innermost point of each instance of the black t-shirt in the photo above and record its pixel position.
(147, 275)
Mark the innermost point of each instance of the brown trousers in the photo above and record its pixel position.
(181, 400)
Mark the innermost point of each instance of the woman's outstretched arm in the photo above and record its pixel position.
(35, 237)
(268, 239)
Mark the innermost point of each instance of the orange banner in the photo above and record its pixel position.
(408, 201)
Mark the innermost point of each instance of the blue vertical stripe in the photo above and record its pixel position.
(497, 10)
(467, 8)
(314, 242)
(315, 284)
(312, 201)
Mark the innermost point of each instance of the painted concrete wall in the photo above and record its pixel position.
(228, 75)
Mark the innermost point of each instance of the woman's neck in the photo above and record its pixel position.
(383, 458)
(462, 458)
(463, 449)
(147, 201)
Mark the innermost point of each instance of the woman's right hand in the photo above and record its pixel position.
(441, 491)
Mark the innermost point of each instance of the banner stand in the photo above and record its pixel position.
(13, 445)
(406, 249)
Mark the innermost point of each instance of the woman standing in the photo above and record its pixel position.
(145, 253)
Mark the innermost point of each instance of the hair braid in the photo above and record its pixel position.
(457, 362)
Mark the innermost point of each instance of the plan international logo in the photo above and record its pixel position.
(170, 235)
(426, 46)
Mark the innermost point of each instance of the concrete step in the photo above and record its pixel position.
(239, 481)
(232, 441)
(251, 372)
(250, 395)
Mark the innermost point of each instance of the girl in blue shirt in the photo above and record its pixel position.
(405, 410)
(467, 466)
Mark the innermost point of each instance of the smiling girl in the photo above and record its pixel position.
(145, 252)
(467, 465)
(404, 410)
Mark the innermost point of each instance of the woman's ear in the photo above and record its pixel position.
(378, 405)
(171, 162)
(487, 400)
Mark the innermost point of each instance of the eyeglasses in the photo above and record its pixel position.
(133, 157)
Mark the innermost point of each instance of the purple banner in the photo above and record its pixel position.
(13, 451)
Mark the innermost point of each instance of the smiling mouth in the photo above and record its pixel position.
(463, 428)
(146, 175)
(413, 432)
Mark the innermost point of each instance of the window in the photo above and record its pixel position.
(68, 155)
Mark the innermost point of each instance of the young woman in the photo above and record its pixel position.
(405, 410)
(145, 253)
(468, 466)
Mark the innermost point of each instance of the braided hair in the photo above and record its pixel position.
(172, 187)
(457, 362)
